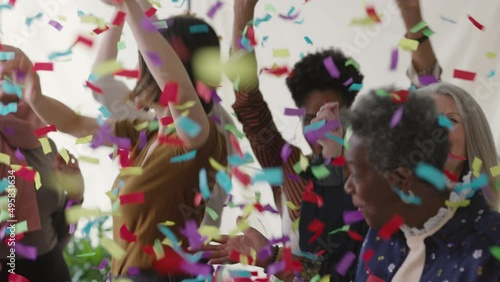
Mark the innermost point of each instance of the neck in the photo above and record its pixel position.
(432, 201)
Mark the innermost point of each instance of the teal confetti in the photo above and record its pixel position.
(182, 158)
(432, 175)
(264, 39)
(308, 40)
(105, 112)
(273, 176)
(336, 139)
(7, 109)
(4, 183)
(191, 128)
(30, 19)
(198, 28)
(475, 184)
(56, 55)
(444, 121)
(314, 126)
(204, 189)
(7, 56)
(224, 181)
(240, 273)
(258, 21)
(11, 88)
(237, 160)
(355, 87)
(409, 199)
(492, 74)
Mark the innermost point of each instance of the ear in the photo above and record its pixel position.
(400, 177)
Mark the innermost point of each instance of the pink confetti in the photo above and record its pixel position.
(17, 278)
(295, 112)
(19, 155)
(345, 262)
(214, 9)
(396, 118)
(352, 217)
(394, 59)
(203, 91)
(285, 152)
(331, 67)
(56, 25)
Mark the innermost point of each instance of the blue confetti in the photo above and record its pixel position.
(105, 112)
(475, 184)
(4, 183)
(56, 55)
(182, 158)
(11, 88)
(237, 160)
(273, 176)
(191, 128)
(7, 56)
(198, 28)
(308, 40)
(314, 126)
(445, 122)
(406, 198)
(258, 21)
(432, 175)
(336, 139)
(224, 181)
(10, 108)
(204, 189)
(355, 87)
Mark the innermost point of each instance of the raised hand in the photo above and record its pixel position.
(69, 176)
(330, 111)
(408, 4)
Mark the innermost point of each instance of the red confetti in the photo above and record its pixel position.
(12, 2)
(169, 94)
(236, 145)
(312, 198)
(277, 71)
(197, 199)
(93, 87)
(400, 97)
(166, 121)
(465, 75)
(317, 226)
(457, 157)
(17, 278)
(180, 49)
(309, 186)
(128, 73)
(150, 12)
(368, 255)
(251, 36)
(391, 227)
(370, 11)
(100, 30)
(125, 160)
(168, 140)
(355, 235)
(119, 18)
(132, 198)
(26, 173)
(373, 278)
(126, 235)
(84, 40)
(338, 161)
(451, 176)
(42, 131)
(43, 66)
(476, 23)
(18, 238)
(242, 177)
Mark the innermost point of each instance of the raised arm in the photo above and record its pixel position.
(170, 70)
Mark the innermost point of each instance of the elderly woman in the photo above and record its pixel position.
(419, 230)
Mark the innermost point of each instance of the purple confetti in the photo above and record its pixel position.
(8, 130)
(56, 25)
(121, 142)
(394, 58)
(270, 209)
(427, 80)
(283, 240)
(155, 58)
(348, 82)
(70, 202)
(345, 262)
(142, 139)
(264, 253)
(331, 67)
(19, 155)
(214, 9)
(276, 267)
(314, 135)
(147, 25)
(352, 217)
(134, 271)
(197, 269)
(216, 119)
(396, 118)
(285, 152)
(293, 177)
(27, 252)
(215, 97)
(295, 112)
(190, 230)
(103, 263)
(72, 228)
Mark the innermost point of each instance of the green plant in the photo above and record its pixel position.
(84, 254)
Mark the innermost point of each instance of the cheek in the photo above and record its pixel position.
(457, 140)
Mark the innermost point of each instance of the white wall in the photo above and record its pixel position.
(326, 23)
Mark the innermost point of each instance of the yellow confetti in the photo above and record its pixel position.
(211, 232)
(116, 251)
(460, 204)
(281, 53)
(45, 145)
(4, 158)
(111, 196)
(247, 210)
(38, 181)
(158, 249)
(495, 171)
(167, 242)
(291, 206)
(242, 226)
(131, 171)
(295, 225)
(367, 21)
(304, 162)
(88, 160)
(64, 154)
(101, 24)
(325, 278)
(168, 223)
(477, 164)
(216, 165)
(408, 44)
(84, 140)
(74, 213)
(491, 55)
(107, 68)
(123, 280)
(141, 126)
(185, 106)
(243, 260)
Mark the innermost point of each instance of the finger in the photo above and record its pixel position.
(216, 254)
(222, 240)
(211, 248)
(220, 261)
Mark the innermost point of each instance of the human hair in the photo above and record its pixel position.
(310, 74)
(478, 137)
(391, 148)
(186, 44)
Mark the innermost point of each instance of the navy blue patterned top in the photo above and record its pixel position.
(458, 252)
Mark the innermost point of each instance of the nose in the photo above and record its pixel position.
(349, 186)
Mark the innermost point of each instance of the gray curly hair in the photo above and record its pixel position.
(418, 137)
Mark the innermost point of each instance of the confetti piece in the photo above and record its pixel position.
(476, 166)
(291, 206)
(131, 171)
(475, 184)
(391, 227)
(231, 128)
(281, 53)
(56, 55)
(56, 25)
(198, 28)
(43, 67)
(43, 131)
(476, 23)
(103, 264)
(120, 45)
(308, 40)
(285, 152)
(445, 122)
(169, 94)
(432, 175)
(119, 18)
(331, 67)
(191, 128)
(495, 251)
(273, 176)
(314, 126)
(12, 88)
(407, 198)
(107, 68)
(213, 214)
(224, 181)
(427, 80)
(45, 145)
(258, 21)
(355, 235)
(17, 278)
(295, 112)
(320, 172)
(408, 44)
(418, 27)
(21, 227)
(19, 155)
(185, 106)
(345, 263)
(316, 226)
(495, 171)
(394, 59)
(372, 13)
(214, 9)
(448, 19)
(132, 198)
(428, 32)
(93, 87)
(355, 87)
(105, 112)
(85, 41)
(491, 55)
(373, 278)
(128, 73)
(465, 75)
(351, 217)
(126, 235)
(492, 74)
(460, 204)
(7, 56)
(88, 160)
(116, 251)
(396, 118)
(182, 158)
(84, 140)
(344, 228)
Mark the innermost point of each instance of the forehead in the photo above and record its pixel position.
(317, 98)
(445, 103)
(357, 151)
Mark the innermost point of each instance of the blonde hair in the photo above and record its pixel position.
(478, 136)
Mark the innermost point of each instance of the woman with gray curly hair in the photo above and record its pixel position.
(419, 230)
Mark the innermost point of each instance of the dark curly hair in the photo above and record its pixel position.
(401, 146)
(309, 74)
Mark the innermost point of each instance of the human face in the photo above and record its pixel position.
(313, 102)
(447, 107)
(370, 191)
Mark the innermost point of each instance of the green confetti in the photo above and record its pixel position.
(85, 255)
(348, 134)
(316, 278)
(495, 251)
(269, 8)
(418, 27)
(353, 63)
(21, 227)
(428, 32)
(153, 125)
(320, 172)
(160, 24)
(213, 215)
(382, 93)
(297, 167)
(231, 128)
(344, 228)
(120, 45)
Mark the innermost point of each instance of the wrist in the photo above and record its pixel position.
(411, 17)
